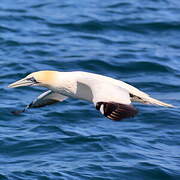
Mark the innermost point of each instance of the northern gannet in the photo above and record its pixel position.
(110, 96)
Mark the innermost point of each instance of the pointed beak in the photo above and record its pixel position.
(22, 82)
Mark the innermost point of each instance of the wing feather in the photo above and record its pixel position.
(138, 95)
(108, 92)
(112, 101)
(116, 111)
(47, 98)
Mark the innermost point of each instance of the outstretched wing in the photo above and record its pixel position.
(113, 102)
(47, 98)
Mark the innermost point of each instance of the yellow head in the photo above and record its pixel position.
(40, 78)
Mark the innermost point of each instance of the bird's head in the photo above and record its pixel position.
(40, 78)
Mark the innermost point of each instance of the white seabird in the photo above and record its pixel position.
(110, 96)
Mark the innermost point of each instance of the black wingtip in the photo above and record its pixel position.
(116, 111)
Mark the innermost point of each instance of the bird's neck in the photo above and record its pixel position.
(63, 83)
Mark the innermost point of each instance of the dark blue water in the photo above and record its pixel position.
(135, 41)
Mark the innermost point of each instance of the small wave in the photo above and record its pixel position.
(153, 171)
(6, 28)
(157, 26)
(131, 67)
(145, 66)
(13, 10)
(118, 5)
(39, 5)
(82, 26)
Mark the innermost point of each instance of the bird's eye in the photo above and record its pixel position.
(32, 79)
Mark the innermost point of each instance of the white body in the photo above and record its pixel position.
(95, 87)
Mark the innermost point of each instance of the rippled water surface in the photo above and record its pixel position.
(135, 41)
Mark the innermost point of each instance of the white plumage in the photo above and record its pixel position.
(112, 97)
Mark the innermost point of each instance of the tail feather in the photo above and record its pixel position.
(150, 100)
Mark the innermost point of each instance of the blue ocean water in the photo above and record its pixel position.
(135, 41)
